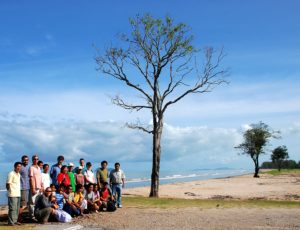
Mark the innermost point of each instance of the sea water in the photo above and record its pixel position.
(140, 178)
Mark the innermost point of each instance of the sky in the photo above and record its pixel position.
(54, 101)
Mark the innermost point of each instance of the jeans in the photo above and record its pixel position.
(117, 190)
(13, 209)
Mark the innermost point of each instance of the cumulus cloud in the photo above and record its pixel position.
(109, 140)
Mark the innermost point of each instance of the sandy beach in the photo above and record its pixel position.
(284, 187)
(269, 187)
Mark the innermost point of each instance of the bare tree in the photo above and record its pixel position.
(159, 62)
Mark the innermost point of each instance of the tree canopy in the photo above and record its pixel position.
(256, 138)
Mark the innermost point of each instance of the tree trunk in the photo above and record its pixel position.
(256, 167)
(158, 127)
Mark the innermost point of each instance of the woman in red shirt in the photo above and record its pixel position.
(63, 177)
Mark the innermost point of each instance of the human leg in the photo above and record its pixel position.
(119, 194)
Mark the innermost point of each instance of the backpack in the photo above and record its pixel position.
(111, 206)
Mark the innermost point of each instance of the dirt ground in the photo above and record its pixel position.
(194, 218)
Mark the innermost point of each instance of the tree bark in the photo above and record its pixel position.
(157, 132)
(256, 167)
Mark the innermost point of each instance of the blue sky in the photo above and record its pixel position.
(52, 99)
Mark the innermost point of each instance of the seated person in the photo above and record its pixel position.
(60, 215)
(53, 188)
(60, 196)
(69, 207)
(97, 199)
(43, 207)
(105, 195)
(79, 200)
(90, 197)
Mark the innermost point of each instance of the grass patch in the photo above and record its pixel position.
(144, 202)
(275, 172)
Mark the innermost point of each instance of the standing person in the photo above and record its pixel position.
(63, 177)
(117, 181)
(41, 164)
(13, 186)
(89, 174)
(36, 184)
(45, 176)
(79, 177)
(72, 176)
(81, 164)
(55, 169)
(25, 186)
(102, 175)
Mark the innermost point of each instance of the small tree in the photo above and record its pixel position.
(255, 140)
(279, 155)
(158, 61)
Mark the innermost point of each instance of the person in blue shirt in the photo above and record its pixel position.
(55, 169)
(25, 186)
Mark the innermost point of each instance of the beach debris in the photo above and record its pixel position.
(190, 194)
(221, 197)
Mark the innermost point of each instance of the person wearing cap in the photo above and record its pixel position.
(79, 177)
(56, 168)
(72, 176)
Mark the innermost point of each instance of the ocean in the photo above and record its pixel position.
(140, 178)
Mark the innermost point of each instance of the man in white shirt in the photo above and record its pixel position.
(46, 180)
(117, 182)
(13, 186)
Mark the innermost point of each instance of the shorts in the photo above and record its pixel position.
(24, 198)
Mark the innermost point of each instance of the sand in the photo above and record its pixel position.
(282, 187)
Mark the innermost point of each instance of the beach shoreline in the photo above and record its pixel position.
(242, 187)
(233, 202)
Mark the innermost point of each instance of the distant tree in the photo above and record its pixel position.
(158, 61)
(256, 139)
(279, 154)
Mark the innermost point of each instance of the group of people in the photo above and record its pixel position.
(63, 192)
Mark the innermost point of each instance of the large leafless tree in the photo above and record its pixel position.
(158, 61)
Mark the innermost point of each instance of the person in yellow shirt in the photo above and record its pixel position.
(13, 186)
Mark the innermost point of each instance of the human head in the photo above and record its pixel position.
(45, 168)
(64, 169)
(48, 192)
(40, 164)
(104, 164)
(79, 169)
(81, 162)
(79, 188)
(69, 189)
(35, 159)
(17, 166)
(90, 187)
(70, 167)
(53, 188)
(60, 159)
(88, 165)
(61, 188)
(117, 166)
(96, 188)
(25, 160)
(105, 185)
